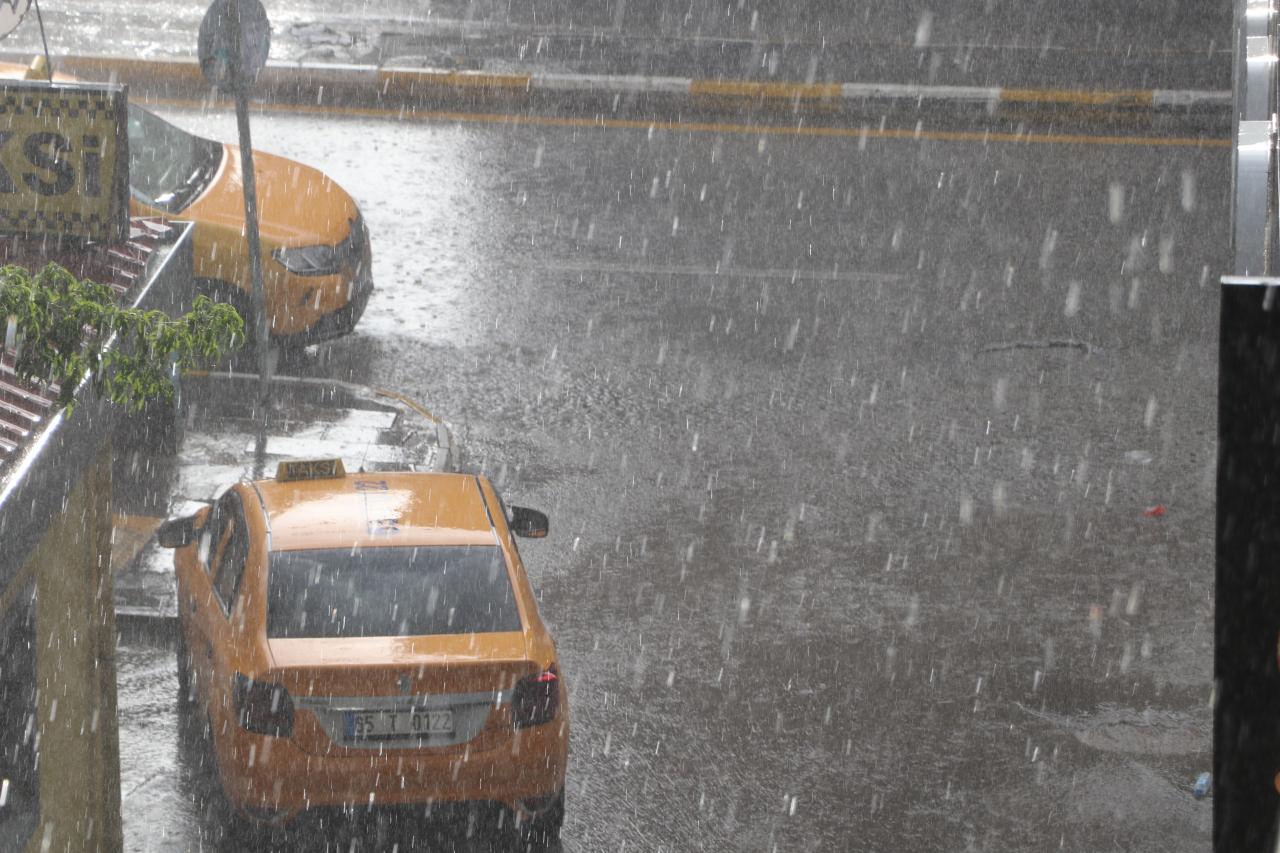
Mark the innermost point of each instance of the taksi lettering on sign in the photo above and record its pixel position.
(64, 160)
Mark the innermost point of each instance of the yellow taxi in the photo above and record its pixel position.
(317, 266)
(370, 640)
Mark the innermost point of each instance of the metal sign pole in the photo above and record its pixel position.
(233, 46)
(261, 340)
(48, 63)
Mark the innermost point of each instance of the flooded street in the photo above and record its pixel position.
(879, 468)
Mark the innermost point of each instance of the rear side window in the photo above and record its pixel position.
(389, 592)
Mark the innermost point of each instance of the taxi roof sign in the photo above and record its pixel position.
(64, 160)
(310, 469)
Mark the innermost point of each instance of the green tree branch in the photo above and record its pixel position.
(60, 324)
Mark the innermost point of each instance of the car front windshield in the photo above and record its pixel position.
(168, 167)
(389, 592)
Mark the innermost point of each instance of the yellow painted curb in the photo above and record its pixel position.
(420, 409)
(127, 69)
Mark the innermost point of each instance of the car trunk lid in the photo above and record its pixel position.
(438, 692)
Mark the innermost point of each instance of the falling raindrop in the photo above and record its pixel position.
(1115, 202)
(1135, 599)
(790, 343)
(999, 498)
(1073, 299)
(1165, 261)
(924, 29)
(1047, 247)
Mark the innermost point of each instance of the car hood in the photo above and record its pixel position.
(297, 205)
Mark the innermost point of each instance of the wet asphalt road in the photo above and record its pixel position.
(880, 471)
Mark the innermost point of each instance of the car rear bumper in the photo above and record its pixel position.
(272, 779)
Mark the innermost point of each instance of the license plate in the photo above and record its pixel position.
(387, 725)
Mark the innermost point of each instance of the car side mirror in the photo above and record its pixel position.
(529, 522)
(177, 532)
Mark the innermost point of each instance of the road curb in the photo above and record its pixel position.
(339, 84)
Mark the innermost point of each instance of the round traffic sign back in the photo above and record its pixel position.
(235, 38)
(11, 12)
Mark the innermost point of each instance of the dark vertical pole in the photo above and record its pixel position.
(1246, 714)
(261, 339)
(1246, 742)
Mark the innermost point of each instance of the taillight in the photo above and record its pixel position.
(537, 698)
(263, 707)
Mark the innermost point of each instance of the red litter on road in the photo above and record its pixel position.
(1154, 511)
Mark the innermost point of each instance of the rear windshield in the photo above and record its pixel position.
(389, 592)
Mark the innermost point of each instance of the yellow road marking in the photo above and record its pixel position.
(713, 127)
(748, 89)
(1133, 97)
(408, 81)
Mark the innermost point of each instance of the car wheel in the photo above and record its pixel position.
(544, 829)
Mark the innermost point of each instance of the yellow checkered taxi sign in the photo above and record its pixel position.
(310, 469)
(64, 160)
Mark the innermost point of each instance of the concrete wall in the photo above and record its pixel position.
(58, 741)
(75, 632)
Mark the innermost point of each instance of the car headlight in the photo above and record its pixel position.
(309, 260)
(326, 260)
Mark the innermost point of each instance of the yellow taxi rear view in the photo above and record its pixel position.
(371, 640)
